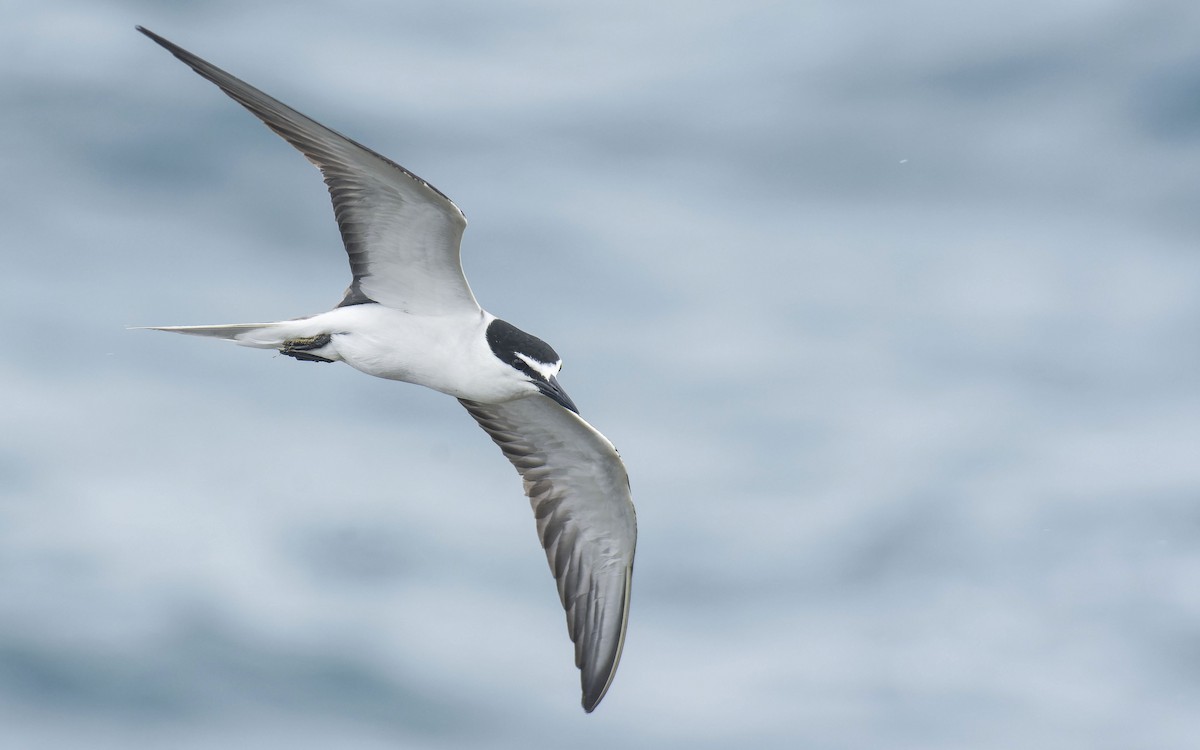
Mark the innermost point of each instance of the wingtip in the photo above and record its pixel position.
(594, 693)
(163, 42)
(591, 698)
(595, 689)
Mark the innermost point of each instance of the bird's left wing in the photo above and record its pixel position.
(577, 485)
(401, 233)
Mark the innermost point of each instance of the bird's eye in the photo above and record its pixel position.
(517, 362)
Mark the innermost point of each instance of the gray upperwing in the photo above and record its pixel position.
(401, 233)
(577, 485)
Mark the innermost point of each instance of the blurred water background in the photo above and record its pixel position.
(892, 308)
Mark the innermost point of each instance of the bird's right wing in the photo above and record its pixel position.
(401, 233)
(579, 491)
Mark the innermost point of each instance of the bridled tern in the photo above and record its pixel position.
(409, 315)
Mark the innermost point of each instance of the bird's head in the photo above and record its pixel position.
(530, 359)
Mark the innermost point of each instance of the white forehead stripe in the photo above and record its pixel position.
(547, 371)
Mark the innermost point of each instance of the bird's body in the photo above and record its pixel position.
(447, 353)
(409, 315)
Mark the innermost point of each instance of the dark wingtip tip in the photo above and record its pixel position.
(152, 36)
(155, 37)
(593, 694)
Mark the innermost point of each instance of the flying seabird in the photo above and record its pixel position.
(410, 315)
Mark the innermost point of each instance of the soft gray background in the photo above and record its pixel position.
(893, 309)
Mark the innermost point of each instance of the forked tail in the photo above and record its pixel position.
(303, 338)
(259, 335)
